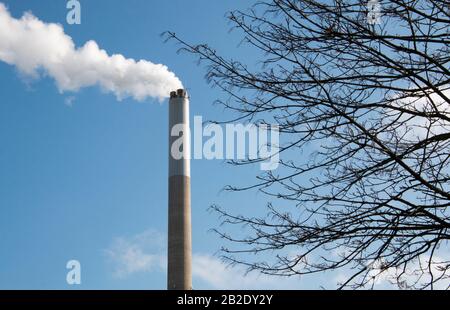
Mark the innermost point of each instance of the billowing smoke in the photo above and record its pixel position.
(34, 46)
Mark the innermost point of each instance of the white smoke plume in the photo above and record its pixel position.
(34, 46)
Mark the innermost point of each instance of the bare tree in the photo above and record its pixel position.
(371, 99)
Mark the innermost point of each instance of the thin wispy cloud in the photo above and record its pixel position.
(69, 101)
(213, 273)
(420, 127)
(38, 48)
(416, 274)
(143, 252)
(146, 253)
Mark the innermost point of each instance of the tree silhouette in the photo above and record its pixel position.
(363, 108)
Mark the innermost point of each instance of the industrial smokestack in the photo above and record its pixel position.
(179, 271)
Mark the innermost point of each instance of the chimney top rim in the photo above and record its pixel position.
(179, 93)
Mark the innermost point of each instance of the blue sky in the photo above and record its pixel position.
(88, 180)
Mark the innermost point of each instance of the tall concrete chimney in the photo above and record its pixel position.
(179, 258)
